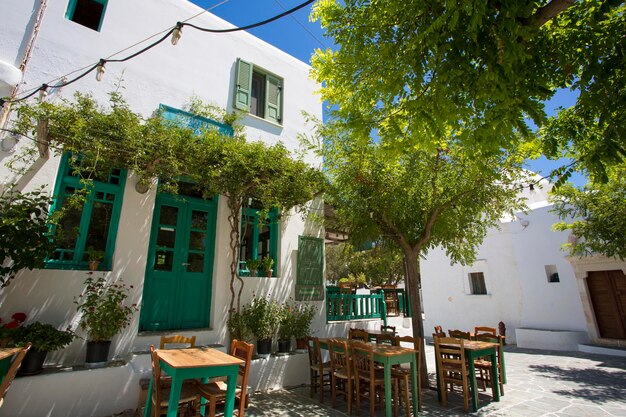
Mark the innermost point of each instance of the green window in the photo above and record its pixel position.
(259, 238)
(258, 92)
(89, 13)
(90, 223)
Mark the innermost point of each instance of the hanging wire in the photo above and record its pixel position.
(168, 32)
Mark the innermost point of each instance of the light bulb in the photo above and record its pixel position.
(43, 92)
(100, 70)
(177, 33)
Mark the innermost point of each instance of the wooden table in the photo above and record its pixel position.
(371, 334)
(388, 356)
(192, 363)
(5, 360)
(473, 351)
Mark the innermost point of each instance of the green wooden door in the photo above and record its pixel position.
(177, 289)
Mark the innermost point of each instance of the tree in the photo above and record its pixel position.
(478, 69)
(596, 215)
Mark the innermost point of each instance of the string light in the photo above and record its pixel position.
(177, 33)
(100, 70)
(43, 92)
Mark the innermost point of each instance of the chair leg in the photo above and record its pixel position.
(333, 390)
(349, 395)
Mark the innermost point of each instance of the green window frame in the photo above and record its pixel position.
(253, 243)
(264, 100)
(83, 5)
(93, 223)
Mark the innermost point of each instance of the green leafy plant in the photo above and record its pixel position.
(303, 316)
(268, 264)
(286, 327)
(237, 327)
(94, 255)
(103, 308)
(253, 265)
(44, 337)
(262, 317)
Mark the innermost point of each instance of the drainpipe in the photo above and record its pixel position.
(10, 73)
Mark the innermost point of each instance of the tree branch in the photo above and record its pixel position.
(546, 13)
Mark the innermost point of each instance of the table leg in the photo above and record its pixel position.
(495, 385)
(388, 411)
(414, 382)
(5, 364)
(147, 410)
(230, 394)
(177, 385)
(503, 376)
(472, 375)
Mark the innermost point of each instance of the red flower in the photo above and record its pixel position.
(19, 317)
(13, 325)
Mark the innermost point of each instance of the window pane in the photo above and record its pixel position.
(164, 260)
(247, 236)
(166, 237)
(189, 190)
(257, 99)
(68, 228)
(264, 242)
(99, 223)
(195, 262)
(88, 13)
(197, 240)
(168, 215)
(199, 219)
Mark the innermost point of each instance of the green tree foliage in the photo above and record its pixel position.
(383, 264)
(24, 229)
(599, 215)
(116, 137)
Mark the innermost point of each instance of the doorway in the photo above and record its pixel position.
(607, 290)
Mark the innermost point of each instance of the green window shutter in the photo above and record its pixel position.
(310, 275)
(243, 85)
(273, 105)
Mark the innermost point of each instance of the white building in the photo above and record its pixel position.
(522, 278)
(73, 34)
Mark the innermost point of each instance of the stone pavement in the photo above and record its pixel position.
(539, 383)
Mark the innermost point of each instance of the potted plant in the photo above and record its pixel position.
(268, 264)
(95, 257)
(44, 338)
(7, 331)
(237, 327)
(253, 265)
(261, 317)
(285, 329)
(303, 317)
(104, 314)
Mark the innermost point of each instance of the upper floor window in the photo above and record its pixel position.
(88, 225)
(89, 13)
(477, 283)
(258, 92)
(259, 238)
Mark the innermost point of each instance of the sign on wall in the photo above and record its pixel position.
(310, 275)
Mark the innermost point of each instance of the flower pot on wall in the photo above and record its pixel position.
(301, 345)
(97, 353)
(264, 347)
(284, 346)
(32, 363)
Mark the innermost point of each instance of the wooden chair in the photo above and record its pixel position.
(390, 329)
(318, 369)
(459, 334)
(483, 365)
(482, 330)
(177, 340)
(342, 379)
(15, 364)
(404, 372)
(189, 399)
(452, 367)
(347, 306)
(366, 371)
(358, 334)
(439, 331)
(215, 392)
(385, 339)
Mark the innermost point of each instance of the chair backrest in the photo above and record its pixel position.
(362, 359)
(310, 347)
(459, 334)
(385, 339)
(390, 329)
(413, 343)
(346, 288)
(358, 334)
(155, 395)
(439, 331)
(17, 361)
(242, 350)
(482, 329)
(177, 340)
(339, 356)
(450, 354)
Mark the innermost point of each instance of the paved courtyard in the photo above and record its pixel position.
(539, 383)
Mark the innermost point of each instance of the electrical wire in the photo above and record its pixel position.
(322, 44)
(179, 25)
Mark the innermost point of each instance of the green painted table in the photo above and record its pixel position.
(203, 363)
(389, 356)
(473, 351)
(5, 360)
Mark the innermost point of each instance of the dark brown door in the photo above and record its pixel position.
(608, 297)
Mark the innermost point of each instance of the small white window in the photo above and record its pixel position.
(477, 283)
(552, 274)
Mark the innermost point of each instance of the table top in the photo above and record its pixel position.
(382, 350)
(6, 352)
(197, 357)
(475, 345)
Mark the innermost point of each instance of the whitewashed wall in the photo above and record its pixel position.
(201, 64)
(513, 260)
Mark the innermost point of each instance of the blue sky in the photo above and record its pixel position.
(299, 37)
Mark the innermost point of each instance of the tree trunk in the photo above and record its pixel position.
(234, 220)
(411, 257)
